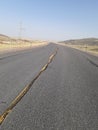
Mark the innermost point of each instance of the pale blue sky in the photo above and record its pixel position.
(50, 19)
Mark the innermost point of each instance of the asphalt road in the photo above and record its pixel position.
(64, 97)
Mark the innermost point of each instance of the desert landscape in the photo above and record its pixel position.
(88, 44)
(12, 44)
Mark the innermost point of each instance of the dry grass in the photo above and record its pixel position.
(87, 48)
(16, 46)
(8, 43)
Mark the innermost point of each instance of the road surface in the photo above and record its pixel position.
(64, 97)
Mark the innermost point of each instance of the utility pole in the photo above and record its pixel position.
(21, 29)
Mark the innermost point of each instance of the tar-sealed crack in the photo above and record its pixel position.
(26, 89)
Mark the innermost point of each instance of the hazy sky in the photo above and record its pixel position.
(49, 19)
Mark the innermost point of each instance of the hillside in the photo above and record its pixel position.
(4, 38)
(13, 44)
(87, 41)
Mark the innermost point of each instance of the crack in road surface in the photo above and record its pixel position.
(25, 90)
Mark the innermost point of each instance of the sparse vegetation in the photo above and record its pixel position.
(7, 43)
(89, 44)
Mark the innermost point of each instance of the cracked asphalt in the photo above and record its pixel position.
(64, 97)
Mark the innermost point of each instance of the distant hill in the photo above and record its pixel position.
(1, 35)
(86, 41)
(4, 37)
